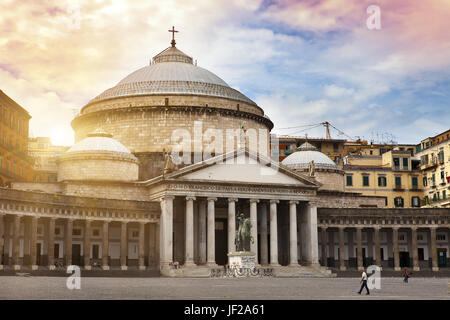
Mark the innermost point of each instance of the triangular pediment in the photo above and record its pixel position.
(241, 166)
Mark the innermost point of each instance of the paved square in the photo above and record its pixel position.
(23, 287)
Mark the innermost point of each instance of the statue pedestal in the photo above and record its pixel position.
(242, 260)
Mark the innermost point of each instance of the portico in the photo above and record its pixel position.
(282, 212)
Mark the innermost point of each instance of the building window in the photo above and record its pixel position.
(382, 181)
(95, 251)
(442, 176)
(440, 237)
(396, 163)
(414, 182)
(421, 254)
(135, 233)
(415, 202)
(349, 180)
(444, 194)
(401, 237)
(365, 180)
(76, 232)
(96, 232)
(398, 182)
(398, 202)
(57, 231)
(335, 147)
(405, 163)
(56, 251)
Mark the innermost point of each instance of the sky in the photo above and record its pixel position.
(303, 62)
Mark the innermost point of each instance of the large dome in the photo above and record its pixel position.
(172, 72)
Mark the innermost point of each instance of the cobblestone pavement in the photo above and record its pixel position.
(29, 287)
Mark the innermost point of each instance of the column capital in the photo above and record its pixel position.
(190, 198)
(107, 221)
(124, 221)
(254, 200)
(143, 222)
(342, 227)
(433, 227)
(324, 228)
(274, 201)
(293, 202)
(233, 199)
(414, 228)
(395, 228)
(166, 197)
(211, 199)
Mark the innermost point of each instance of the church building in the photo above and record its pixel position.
(122, 200)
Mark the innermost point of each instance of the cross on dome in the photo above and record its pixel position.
(173, 36)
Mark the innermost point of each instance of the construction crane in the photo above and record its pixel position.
(327, 126)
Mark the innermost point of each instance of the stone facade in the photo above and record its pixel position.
(104, 167)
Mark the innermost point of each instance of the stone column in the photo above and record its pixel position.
(377, 246)
(141, 246)
(433, 249)
(51, 243)
(157, 244)
(6, 241)
(231, 224)
(254, 229)
(68, 241)
(342, 249)
(33, 245)
(202, 231)
(87, 244)
(308, 231)
(324, 246)
(359, 248)
(26, 221)
(189, 242)
(273, 233)
(396, 249)
(2, 241)
(293, 261)
(151, 244)
(123, 245)
(211, 254)
(16, 242)
(105, 245)
(415, 250)
(166, 233)
(263, 228)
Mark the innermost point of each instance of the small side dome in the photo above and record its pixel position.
(326, 171)
(307, 153)
(98, 157)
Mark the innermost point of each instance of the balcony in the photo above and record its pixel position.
(399, 187)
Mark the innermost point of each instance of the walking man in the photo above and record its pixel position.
(364, 282)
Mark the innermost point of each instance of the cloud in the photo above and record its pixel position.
(303, 61)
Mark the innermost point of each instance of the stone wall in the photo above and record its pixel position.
(173, 100)
(97, 169)
(150, 129)
(121, 191)
(329, 199)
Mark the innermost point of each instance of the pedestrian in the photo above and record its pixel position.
(405, 275)
(364, 282)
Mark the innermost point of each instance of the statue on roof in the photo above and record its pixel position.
(169, 164)
(312, 168)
